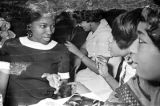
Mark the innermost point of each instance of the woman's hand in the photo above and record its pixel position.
(79, 88)
(102, 65)
(72, 48)
(130, 61)
(54, 81)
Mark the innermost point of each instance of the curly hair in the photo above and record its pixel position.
(152, 16)
(35, 9)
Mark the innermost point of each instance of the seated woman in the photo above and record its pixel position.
(35, 59)
(144, 88)
(96, 44)
(124, 44)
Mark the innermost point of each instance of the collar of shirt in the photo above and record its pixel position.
(36, 45)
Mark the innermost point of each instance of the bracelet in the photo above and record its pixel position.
(82, 57)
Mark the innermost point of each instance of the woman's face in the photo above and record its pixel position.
(148, 55)
(42, 29)
(86, 26)
(116, 51)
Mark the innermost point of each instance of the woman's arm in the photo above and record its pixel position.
(103, 70)
(83, 49)
(82, 55)
(111, 81)
(77, 60)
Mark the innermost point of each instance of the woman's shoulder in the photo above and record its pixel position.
(12, 42)
(60, 48)
(104, 26)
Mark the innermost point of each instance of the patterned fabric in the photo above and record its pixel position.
(17, 68)
(125, 93)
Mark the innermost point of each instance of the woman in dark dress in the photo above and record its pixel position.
(35, 59)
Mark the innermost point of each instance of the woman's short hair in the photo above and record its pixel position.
(85, 14)
(95, 15)
(90, 15)
(76, 15)
(124, 28)
(111, 14)
(35, 9)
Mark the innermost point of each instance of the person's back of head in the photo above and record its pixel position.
(124, 27)
(111, 14)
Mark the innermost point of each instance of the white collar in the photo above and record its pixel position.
(36, 45)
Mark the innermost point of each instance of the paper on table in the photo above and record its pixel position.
(60, 102)
(92, 96)
(51, 102)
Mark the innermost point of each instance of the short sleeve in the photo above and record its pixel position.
(64, 66)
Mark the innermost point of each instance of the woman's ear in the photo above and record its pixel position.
(29, 27)
(90, 24)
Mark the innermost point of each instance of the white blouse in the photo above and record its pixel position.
(97, 43)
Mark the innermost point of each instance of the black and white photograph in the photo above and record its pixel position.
(79, 52)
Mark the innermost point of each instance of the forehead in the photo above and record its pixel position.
(142, 26)
(141, 29)
(142, 33)
(45, 20)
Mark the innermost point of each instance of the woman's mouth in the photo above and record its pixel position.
(46, 38)
(134, 65)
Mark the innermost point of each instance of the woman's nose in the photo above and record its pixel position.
(50, 30)
(134, 47)
(110, 41)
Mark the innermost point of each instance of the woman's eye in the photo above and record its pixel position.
(53, 26)
(141, 41)
(43, 26)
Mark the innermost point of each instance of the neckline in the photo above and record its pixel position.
(36, 45)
